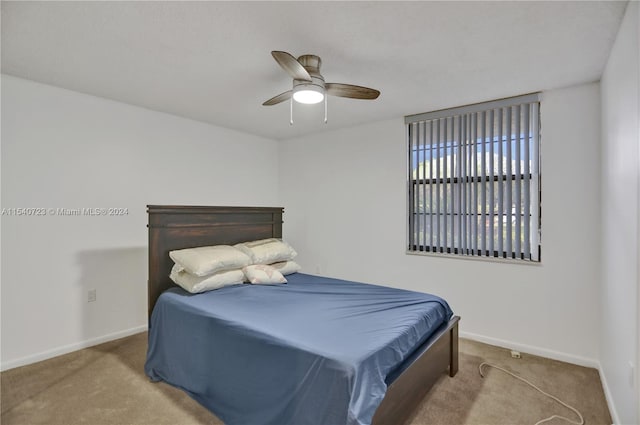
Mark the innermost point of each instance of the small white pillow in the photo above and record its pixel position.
(196, 284)
(267, 251)
(286, 267)
(261, 273)
(206, 260)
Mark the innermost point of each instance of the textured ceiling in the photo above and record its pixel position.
(210, 61)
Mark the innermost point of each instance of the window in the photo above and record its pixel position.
(474, 180)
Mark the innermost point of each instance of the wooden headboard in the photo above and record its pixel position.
(178, 226)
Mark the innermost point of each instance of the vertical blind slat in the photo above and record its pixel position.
(417, 190)
(427, 210)
(518, 183)
(474, 188)
(469, 182)
(445, 185)
(437, 133)
(452, 204)
(526, 196)
(460, 186)
(535, 181)
(416, 207)
(420, 231)
(491, 183)
(467, 204)
(431, 245)
(410, 187)
(483, 186)
(416, 223)
(500, 186)
(411, 203)
(509, 201)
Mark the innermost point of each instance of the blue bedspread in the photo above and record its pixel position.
(313, 351)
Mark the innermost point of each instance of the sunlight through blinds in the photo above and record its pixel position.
(474, 180)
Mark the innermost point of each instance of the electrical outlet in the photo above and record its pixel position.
(515, 354)
(91, 295)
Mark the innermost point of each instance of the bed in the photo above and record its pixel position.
(388, 385)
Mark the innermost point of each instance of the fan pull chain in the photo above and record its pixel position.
(325, 108)
(291, 111)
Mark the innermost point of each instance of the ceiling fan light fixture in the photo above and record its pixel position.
(308, 94)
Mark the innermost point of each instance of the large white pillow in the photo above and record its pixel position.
(205, 260)
(286, 267)
(196, 284)
(267, 251)
(262, 273)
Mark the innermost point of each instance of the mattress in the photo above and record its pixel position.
(313, 351)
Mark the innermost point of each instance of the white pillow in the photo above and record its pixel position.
(196, 284)
(286, 267)
(267, 251)
(206, 260)
(261, 273)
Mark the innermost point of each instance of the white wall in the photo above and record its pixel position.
(619, 330)
(62, 149)
(344, 193)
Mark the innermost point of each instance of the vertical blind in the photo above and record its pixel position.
(474, 180)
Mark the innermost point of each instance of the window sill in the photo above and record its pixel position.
(475, 258)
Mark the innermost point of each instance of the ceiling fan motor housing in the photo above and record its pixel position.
(312, 64)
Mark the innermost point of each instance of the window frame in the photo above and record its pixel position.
(458, 181)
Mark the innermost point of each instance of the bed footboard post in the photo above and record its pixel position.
(453, 356)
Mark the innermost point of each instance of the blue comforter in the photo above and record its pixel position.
(313, 351)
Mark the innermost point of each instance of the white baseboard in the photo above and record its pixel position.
(536, 351)
(555, 355)
(69, 348)
(607, 394)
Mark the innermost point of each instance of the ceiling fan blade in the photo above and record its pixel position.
(351, 91)
(291, 65)
(279, 98)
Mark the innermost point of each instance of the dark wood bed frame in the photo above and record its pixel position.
(176, 227)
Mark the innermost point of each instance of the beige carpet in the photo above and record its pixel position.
(106, 385)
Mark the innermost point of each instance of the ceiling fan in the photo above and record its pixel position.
(309, 86)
